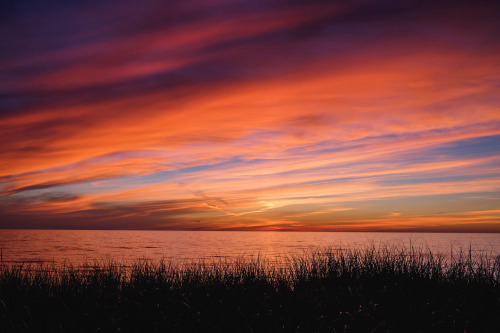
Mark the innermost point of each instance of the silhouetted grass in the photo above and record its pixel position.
(377, 290)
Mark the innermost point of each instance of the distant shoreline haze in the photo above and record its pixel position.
(486, 229)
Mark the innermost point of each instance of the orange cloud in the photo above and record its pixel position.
(232, 118)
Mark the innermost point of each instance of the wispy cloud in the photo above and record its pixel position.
(261, 115)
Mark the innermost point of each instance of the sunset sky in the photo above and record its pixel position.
(250, 115)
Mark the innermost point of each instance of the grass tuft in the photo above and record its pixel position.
(378, 290)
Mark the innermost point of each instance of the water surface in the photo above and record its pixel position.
(76, 247)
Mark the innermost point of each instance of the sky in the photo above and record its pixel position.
(366, 115)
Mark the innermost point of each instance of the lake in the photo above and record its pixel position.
(76, 247)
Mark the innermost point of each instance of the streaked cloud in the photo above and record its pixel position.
(263, 115)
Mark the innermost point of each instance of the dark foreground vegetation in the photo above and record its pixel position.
(340, 291)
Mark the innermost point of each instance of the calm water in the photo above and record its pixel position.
(77, 247)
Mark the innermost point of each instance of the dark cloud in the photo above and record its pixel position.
(50, 197)
(332, 29)
(168, 214)
(48, 185)
(53, 197)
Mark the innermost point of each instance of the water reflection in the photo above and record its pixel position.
(75, 248)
